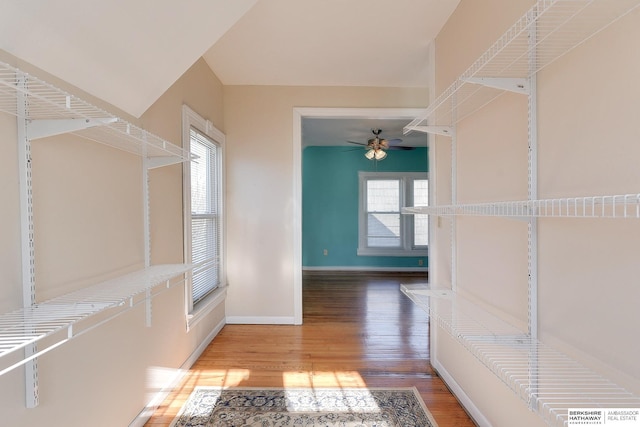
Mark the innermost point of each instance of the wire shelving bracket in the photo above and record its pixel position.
(560, 25)
(620, 206)
(49, 110)
(43, 110)
(549, 381)
(47, 325)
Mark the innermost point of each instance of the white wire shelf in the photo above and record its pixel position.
(614, 206)
(549, 381)
(46, 106)
(557, 27)
(52, 323)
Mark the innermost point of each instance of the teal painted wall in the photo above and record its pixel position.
(330, 204)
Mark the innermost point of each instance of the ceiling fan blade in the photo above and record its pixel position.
(358, 143)
(394, 141)
(400, 147)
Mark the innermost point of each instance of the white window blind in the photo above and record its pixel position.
(383, 213)
(205, 216)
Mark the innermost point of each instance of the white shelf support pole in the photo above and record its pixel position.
(42, 128)
(145, 212)
(147, 230)
(511, 84)
(454, 198)
(532, 226)
(27, 243)
(533, 187)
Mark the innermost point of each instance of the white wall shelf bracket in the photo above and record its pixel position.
(43, 128)
(560, 25)
(42, 327)
(49, 110)
(43, 110)
(549, 380)
(160, 161)
(510, 84)
(436, 130)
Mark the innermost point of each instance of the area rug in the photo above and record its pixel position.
(298, 407)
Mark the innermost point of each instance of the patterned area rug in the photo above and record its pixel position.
(326, 407)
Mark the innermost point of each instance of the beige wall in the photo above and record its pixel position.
(201, 90)
(588, 104)
(259, 131)
(588, 289)
(88, 225)
(88, 218)
(471, 29)
(10, 275)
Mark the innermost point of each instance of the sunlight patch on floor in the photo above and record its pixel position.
(160, 381)
(327, 391)
(341, 379)
(330, 400)
(220, 377)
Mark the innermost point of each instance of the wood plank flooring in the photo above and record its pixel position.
(359, 331)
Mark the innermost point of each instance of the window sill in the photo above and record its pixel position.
(392, 252)
(206, 306)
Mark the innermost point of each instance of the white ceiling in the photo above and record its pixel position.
(331, 42)
(338, 131)
(129, 52)
(126, 52)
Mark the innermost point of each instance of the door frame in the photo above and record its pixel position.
(324, 112)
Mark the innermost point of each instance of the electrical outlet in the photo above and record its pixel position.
(420, 262)
(325, 252)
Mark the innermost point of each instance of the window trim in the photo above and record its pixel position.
(191, 119)
(406, 248)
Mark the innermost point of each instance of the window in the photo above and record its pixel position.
(383, 229)
(203, 210)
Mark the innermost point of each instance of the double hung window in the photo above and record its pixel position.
(203, 209)
(383, 229)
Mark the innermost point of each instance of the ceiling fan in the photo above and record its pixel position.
(377, 146)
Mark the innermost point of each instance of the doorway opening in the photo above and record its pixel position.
(299, 114)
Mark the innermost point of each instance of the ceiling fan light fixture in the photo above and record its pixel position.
(376, 146)
(370, 154)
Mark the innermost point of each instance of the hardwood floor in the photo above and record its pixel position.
(359, 331)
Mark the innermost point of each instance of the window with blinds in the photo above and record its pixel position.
(383, 229)
(205, 221)
(383, 213)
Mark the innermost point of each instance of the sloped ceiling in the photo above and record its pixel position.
(331, 42)
(126, 52)
(129, 52)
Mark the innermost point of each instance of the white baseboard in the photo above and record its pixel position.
(162, 394)
(359, 268)
(203, 345)
(260, 320)
(464, 399)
